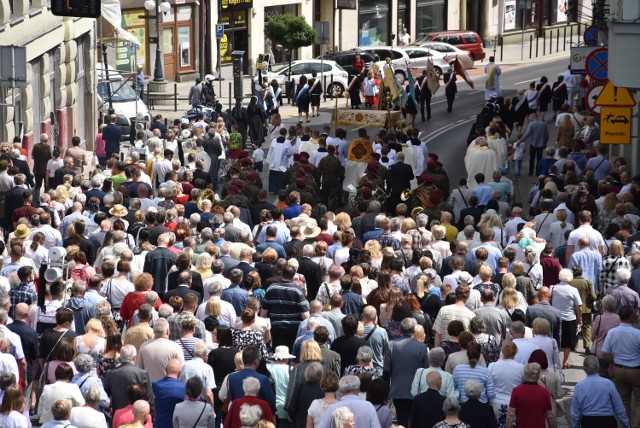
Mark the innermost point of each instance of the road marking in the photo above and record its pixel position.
(474, 92)
(522, 83)
(438, 102)
(442, 130)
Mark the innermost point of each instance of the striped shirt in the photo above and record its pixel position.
(450, 313)
(187, 344)
(464, 373)
(286, 304)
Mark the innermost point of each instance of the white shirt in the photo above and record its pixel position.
(198, 368)
(52, 237)
(227, 312)
(15, 342)
(86, 417)
(279, 154)
(225, 282)
(161, 167)
(525, 348)
(565, 298)
(506, 374)
(54, 392)
(8, 364)
(586, 231)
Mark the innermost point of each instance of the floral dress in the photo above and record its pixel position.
(490, 347)
(106, 364)
(245, 338)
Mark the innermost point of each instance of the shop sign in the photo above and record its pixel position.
(510, 15)
(231, 5)
(239, 19)
(131, 18)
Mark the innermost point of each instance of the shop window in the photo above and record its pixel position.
(374, 23)
(276, 52)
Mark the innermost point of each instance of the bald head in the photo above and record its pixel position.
(369, 314)
(21, 311)
(141, 410)
(434, 380)
(544, 294)
(316, 307)
(174, 367)
(584, 242)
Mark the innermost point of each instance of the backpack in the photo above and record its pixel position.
(80, 274)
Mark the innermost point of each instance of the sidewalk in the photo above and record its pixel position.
(511, 55)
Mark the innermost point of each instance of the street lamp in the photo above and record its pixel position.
(164, 7)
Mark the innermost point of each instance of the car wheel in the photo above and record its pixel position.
(400, 77)
(438, 71)
(335, 87)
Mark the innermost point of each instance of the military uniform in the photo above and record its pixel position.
(331, 176)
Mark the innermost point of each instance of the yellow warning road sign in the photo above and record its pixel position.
(615, 125)
(615, 96)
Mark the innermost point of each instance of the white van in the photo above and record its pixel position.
(126, 104)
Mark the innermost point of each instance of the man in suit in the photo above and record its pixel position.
(41, 154)
(426, 409)
(543, 309)
(405, 356)
(66, 168)
(311, 270)
(22, 166)
(184, 287)
(112, 134)
(13, 199)
(117, 380)
(401, 176)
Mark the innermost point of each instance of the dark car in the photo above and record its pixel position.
(345, 58)
(466, 40)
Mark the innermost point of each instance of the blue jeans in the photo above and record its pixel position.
(517, 164)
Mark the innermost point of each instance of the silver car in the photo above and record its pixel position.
(330, 69)
(399, 59)
(419, 58)
(451, 52)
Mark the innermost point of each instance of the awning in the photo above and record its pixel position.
(112, 13)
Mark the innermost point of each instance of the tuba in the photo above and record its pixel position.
(405, 195)
(416, 211)
(205, 194)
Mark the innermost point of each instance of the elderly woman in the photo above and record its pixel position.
(193, 413)
(473, 412)
(439, 244)
(188, 340)
(437, 358)
(92, 342)
(451, 410)
(132, 301)
(88, 416)
(86, 378)
(364, 363)
(250, 387)
(488, 343)
(506, 374)
(464, 372)
(342, 418)
(567, 300)
(610, 264)
(322, 260)
(309, 353)
(203, 266)
(522, 284)
(308, 393)
(542, 339)
(601, 326)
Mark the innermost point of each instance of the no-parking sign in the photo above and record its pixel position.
(592, 95)
(597, 64)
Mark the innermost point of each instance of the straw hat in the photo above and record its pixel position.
(282, 353)
(118, 211)
(23, 231)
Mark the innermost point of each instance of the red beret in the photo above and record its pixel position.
(234, 170)
(300, 183)
(245, 161)
(372, 167)
(238, 183)
(252, 176)
(296, 156)
(305, 155)
(243, 154)
(376, 156)
(436, 197)
(307, 167)
(304, 161)
(433, 156)
(331, 148)
(367, 193)
(431, 165)
(234, 189)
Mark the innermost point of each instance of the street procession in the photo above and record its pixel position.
(301, 214)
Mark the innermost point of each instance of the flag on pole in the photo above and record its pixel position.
(463, 73)
(433, 81)
(412, 89)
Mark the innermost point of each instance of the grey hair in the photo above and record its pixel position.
(84, 363)
(103, 308)
(92, 395)
(374, 207)
(161, 326)
(437, 356)
(422, 220)
(340, 416)
(78, 286)
(349, 384)
(365, 354)
(200, 350)
(623, 275)
(215, 287)
(473, 389)
(451, 406)
(4, 316)
(314, 372)
(609, 303)
(313, 323)
(407, 326)
(591, 365)
(250, 415)
(128, 353)
(307, 251)
(165, 311)
(14, 281)
(145, 311)
(532, 370)
(565, 275)
(251, 386)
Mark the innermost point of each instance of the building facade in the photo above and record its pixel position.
(60, 74)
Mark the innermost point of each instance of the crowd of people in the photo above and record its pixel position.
(187, 299)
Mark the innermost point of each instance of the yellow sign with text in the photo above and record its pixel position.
(615, 125)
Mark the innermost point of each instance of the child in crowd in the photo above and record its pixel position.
(258, 156)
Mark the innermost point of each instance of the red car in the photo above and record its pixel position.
(466, 40)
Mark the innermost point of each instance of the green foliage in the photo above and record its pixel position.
(290, 31)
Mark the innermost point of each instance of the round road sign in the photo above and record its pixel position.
(597, 64)
(590, 36)
(592, 95)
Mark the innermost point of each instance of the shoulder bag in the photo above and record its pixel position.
(201, 413)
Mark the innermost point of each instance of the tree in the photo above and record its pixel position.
(290, 31)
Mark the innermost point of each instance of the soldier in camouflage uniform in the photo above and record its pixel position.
(331, 175)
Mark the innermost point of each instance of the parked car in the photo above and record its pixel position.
(345, 58)
(467, 40)
(451, 52)
(419, 58)
(127, 106)
(399, 59)
(298, 68)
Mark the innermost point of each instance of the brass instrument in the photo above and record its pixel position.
(205, 194)
(416, 211)
(405, 195)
